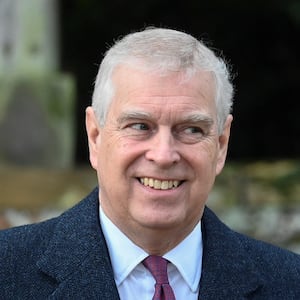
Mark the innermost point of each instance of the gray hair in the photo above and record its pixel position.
(162, 51)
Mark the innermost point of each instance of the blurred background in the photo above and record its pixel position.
(49, 56)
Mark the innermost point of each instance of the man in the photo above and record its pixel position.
(158, 132)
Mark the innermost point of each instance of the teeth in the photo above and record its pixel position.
(164, 185)
(176, 183)
(151, 182)
(159, 184)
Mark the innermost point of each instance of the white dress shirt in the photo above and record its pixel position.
(135, 282)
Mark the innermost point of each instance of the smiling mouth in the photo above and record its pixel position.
(160, 184)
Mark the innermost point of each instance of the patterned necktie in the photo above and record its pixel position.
(158, 268)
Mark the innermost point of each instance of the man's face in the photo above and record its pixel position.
(159, 152)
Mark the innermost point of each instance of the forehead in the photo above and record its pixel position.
(171, 91)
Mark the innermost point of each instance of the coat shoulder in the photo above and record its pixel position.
(273, 260)
(17, 240)
(245, 261)
(21, 248)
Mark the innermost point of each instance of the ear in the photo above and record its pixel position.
(223, 144)
(93, 134)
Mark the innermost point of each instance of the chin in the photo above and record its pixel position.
(161, 221)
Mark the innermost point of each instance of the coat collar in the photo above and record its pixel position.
(228, 271)
(77, 256)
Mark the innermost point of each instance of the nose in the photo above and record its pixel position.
(163, 149)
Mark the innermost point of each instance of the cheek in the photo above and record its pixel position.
(107, 158)
(109, 145)
(206, 156)
(204, 166)
(116, 155)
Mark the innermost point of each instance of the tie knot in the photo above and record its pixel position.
(157, 265)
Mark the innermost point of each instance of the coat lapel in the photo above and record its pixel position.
(77, 256)
(228, 272)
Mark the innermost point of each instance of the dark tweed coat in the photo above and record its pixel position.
(67, 258)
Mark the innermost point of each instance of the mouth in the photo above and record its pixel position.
(158, 184)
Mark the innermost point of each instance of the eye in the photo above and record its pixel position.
(189, 134)
(139, 126)
(138, 130)
(193, 130)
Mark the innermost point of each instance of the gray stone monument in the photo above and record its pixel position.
(36, 100)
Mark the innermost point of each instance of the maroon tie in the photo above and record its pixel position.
(158, 268)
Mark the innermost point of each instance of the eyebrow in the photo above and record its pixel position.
(128, 115)
(198, 118)
(189, 118)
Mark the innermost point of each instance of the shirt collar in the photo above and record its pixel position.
(187, 257)
(124, 254)
(123, 262)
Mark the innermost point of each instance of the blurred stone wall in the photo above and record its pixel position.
(261, 199)
(36, 100)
